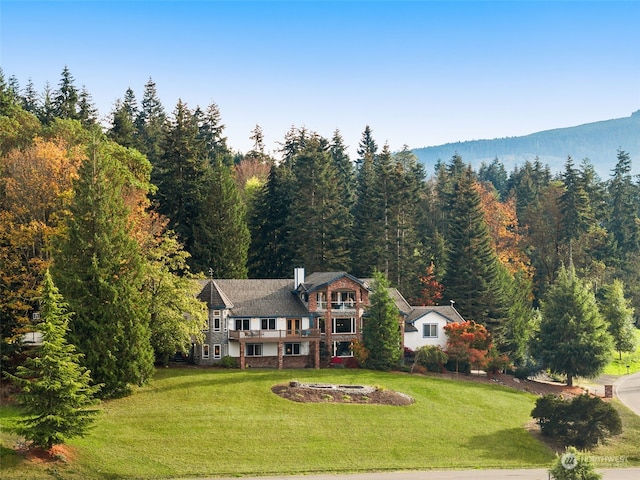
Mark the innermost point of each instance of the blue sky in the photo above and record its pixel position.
(419, 73)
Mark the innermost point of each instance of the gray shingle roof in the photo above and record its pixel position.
(320, 279)
(262, 298)
(213, 296)
(447, 311)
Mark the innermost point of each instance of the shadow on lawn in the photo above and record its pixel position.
(513, 444)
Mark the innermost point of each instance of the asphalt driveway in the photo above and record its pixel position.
(627, 390)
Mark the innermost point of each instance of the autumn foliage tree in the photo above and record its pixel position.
(468, 344)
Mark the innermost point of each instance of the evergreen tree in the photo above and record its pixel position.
(180, 175)
(55, 390)
(574, 205)
(87, 111)
(30, 100)
(99, 269)
(65, 102)
(618, 314)
(365, 247)
(572, 339)
(270, 255)
(381, 330)
(211, 135)
(496, 174)
(151, 124)
(318, 218)
(220, 235)
(123, 130)
(471, 276)
(623, 223)
(47, 112)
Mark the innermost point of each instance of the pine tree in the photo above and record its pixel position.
(220, 234)
(471, 274)
(318, 219)
(99, 269)
(618, 313)
(151, 124)
(574, 205)
(65, 102)
(366, 248)
(495, 174)
(180, 175)
(87, 111)
(572, 339)
(270, 255)
(623, 223)
(55, 390)
(381, 330)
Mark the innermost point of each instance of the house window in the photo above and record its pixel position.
(344, 325)
(343, 300)
(205, 351)
(430, 330)
(342, 349)
(292, 349)
(217, 351)
(206, 325)
(254, 349)
(268, 324)
(242, 324)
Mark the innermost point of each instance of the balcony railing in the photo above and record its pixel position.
(274, 335)
(346, 305)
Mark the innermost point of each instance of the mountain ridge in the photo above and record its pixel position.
(598, 141)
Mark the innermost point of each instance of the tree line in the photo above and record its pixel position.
(131, 209)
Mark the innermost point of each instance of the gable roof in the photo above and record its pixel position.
(447, 311)
(318, 280)
(262, 298)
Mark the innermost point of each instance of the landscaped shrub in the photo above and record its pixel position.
(228, 362)
(583, 421)
(432, 357)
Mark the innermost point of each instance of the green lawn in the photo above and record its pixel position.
(214, 422)
(619, 366)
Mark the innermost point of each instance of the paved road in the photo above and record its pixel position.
(527, 474)
(627, 389)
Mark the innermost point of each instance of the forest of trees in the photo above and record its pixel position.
(124, 213)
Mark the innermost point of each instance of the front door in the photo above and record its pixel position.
(293, 326)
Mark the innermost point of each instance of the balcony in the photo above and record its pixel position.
(343, 306)
(261, 336)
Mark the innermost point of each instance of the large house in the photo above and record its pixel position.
(299, 322)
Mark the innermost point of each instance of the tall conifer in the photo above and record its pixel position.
(99, 269)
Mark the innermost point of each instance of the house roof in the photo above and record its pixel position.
(213, 296)
(446, 311)
(400, 301)
(261, 297)
(319, 280)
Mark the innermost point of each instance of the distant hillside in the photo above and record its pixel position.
(598, 141)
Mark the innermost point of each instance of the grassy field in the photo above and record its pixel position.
(619, 366)
(214, 422)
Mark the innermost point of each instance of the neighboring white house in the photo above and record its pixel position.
(425, 326)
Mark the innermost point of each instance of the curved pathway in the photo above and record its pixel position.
(627, 390)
